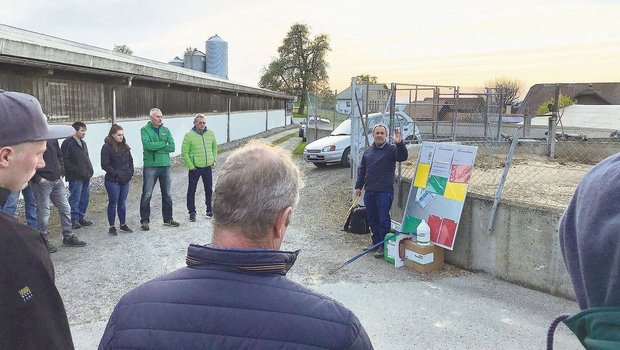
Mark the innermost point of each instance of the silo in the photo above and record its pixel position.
(176, 62)
(217, 57)
(195, 60)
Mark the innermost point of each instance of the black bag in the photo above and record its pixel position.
(357, 221)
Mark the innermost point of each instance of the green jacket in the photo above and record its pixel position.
(157, 146)
(597, 328)
(199, 151)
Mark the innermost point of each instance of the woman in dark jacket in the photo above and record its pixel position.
(117, 162)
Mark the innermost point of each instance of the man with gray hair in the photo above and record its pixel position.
(32, 315)
(157, 143)
(234, 293)
(199, 152)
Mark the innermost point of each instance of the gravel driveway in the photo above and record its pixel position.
(91, 280)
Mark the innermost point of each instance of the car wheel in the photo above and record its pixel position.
(319, 165)
(346, 162)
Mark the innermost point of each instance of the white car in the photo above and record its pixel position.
(336, 147)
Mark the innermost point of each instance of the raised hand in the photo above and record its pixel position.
(397, 136)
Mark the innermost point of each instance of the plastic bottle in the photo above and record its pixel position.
(424, 233)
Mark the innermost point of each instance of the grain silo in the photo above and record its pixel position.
(195, 60)
(217, 57)
(176, 62)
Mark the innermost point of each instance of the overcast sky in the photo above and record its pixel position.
(448, 42)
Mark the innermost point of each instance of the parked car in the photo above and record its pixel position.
(336, 147)
(311, 122)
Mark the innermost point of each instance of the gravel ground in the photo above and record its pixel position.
(92, 279)
(461, 309)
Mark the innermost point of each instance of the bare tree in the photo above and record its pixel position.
(123, 49)
(511, 87)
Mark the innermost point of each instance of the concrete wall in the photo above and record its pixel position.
(242, 124)
(523, 247)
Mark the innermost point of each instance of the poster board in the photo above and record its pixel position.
(438, 190)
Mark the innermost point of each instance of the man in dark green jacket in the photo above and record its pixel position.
(199, 153)
(157, 143)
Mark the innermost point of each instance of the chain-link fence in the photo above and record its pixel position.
(543, 170)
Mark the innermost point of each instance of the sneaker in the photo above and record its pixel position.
(145, 226)
(50, 247)
(72, 242)
(209, 214)
(379, 253)
(171, 222)
(112, 231)
(192, 217)
(126, 228)
(75, 225)
(84, 222)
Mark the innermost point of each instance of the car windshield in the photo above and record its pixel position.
(343, 129)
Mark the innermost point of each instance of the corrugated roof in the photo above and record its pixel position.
(23, 47)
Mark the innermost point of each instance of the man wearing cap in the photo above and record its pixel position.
(32, 315)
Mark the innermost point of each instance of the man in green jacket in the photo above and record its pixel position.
(199, 153)
(157, 143)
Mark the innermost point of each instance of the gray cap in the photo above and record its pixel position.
(22, 120)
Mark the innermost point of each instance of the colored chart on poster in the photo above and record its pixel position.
(456, 191)
(436, 184)
(439, 189)
(421, 175)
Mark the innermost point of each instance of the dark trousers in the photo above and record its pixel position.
(207, 182)
(150, 175)
(117, 194)
(378, 206)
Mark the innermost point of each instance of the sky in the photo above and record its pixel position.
(448, 42)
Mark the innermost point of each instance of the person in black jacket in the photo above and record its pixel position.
(32, 315)
(47, 186)
(117, 162)
(234, 293)
(78, 171)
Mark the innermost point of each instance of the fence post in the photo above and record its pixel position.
(553, 120)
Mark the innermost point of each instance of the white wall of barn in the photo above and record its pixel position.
(242, 124)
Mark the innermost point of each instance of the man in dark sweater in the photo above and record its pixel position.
(234, 293)
(32, 315)
(48, 187)
(376, 176)
(78, 171)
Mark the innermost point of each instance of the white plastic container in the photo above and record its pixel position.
(424, 233)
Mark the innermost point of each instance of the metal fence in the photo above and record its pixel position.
(543, 170)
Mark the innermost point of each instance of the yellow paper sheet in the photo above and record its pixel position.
(421, 175)
(456, 191)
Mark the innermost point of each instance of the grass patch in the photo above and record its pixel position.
(283, 139)
(300, 148)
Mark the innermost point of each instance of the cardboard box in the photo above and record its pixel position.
(421, 258)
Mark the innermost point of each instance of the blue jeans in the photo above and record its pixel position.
(79, 195)
(150, 175)
(117, 194)
(207, 182)
(30, 206)
(378, 206)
